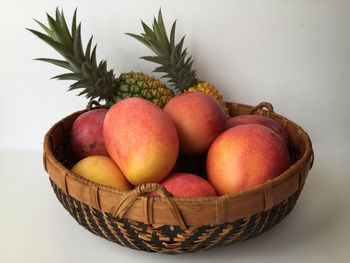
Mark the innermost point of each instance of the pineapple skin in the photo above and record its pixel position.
(138, 84)
(209, 89)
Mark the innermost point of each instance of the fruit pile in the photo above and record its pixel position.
(180, 135)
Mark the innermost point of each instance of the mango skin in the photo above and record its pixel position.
(245, 156)
(142, 139)
(188, 185)
(199, 119)
(102, 170)
(262, 120)
(86, 138)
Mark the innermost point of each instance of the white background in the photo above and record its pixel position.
(294, 54)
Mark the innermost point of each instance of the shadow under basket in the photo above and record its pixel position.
(177, 224)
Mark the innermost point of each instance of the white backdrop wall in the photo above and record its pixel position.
(294, 54)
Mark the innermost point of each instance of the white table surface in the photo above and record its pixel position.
(35, 227)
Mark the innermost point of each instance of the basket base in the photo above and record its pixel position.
(168, 238)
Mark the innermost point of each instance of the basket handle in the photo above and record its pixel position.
(126, 201)
(263, 106)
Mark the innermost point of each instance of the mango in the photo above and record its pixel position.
(86, 137)
(188, 185)
(245, 156)
(102, 170)
(262, 120)
(142, 139)
(199, 119)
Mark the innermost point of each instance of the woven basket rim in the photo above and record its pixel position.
(224, 207)
(306, 154)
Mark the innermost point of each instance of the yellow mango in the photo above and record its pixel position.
(102, 170)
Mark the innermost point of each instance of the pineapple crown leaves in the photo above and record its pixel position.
(95, 80)
(171, 56)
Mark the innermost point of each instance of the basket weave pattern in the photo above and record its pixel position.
(172, 224)
(169, 238)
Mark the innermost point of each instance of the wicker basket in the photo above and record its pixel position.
(172, 224)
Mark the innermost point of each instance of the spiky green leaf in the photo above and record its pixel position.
(147, 29)
(95, 80)
(93, 59)
(77, 45)
(60, 48)
(74, 23)
(75, 63)
(88, 49)
(65, 31)
(56, 31)
(156, 59)
(162, 29)
(140, 38)
(86, 70)
(174, 61)
(60, 63)
(46, 29)
(78, 85)
(172, 35)
(69, 76)
(158, 48)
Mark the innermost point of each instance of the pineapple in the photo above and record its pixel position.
(95, 80)
(173, 60)
(137, 84)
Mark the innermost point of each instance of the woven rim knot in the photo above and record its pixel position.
(127, 200)
(263, 106)
(152, 187)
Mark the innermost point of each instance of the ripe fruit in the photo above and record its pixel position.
(245, 156)
(93, 78)
(137, 84)
(207, 88)
(142, 139)
(86, 137)
(198, 119)
(186, 184)
(173, 60)
(262, 120)
(102, 170)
